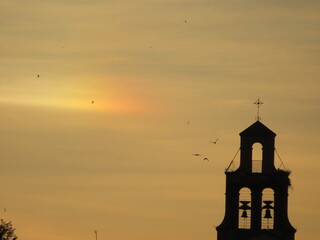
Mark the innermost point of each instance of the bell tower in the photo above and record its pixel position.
(256, 206)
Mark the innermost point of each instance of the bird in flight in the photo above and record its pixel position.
(206, 159)
(214, 142)
(92, 102)
(38, 75)
(197, 154)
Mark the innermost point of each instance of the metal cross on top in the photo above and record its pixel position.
(258, 103)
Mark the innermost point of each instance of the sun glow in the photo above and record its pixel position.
(81, 96)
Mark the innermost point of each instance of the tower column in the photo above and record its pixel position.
(281, 207)
(245, 154)
(256, 196)
(232, 205)
(268, 157)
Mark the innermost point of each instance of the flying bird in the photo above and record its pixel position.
(197, 154)
(206, 159)
(92, 102)
(214, 142)
(38, 75)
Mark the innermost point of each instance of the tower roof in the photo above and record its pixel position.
(257, 129)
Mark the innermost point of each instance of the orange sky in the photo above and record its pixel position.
(124, 164)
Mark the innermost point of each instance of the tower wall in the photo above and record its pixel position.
(269, 177)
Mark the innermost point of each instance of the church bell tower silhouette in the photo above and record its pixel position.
(256, 206)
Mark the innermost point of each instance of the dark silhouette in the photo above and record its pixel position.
(92, 102)
(206, 159)
(256, 204)
(258, 103)
(214, 142)
(197, 154)
(7, 231)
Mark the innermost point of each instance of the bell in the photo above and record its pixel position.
(244, 214)
(268, 214)
(244, 205)
(268, 204)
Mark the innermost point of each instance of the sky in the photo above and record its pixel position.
(166, 77)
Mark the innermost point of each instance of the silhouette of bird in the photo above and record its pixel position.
(38, 75)
(206, 159)
(92, 102)
(214, 142)
(197, 154)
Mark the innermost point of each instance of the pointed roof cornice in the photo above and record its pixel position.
(257, 129)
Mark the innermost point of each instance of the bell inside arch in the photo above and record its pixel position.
(244, 214)
(268, 214)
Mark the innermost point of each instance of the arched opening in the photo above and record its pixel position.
(244, 220)
(257, 158)
(267, 215)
